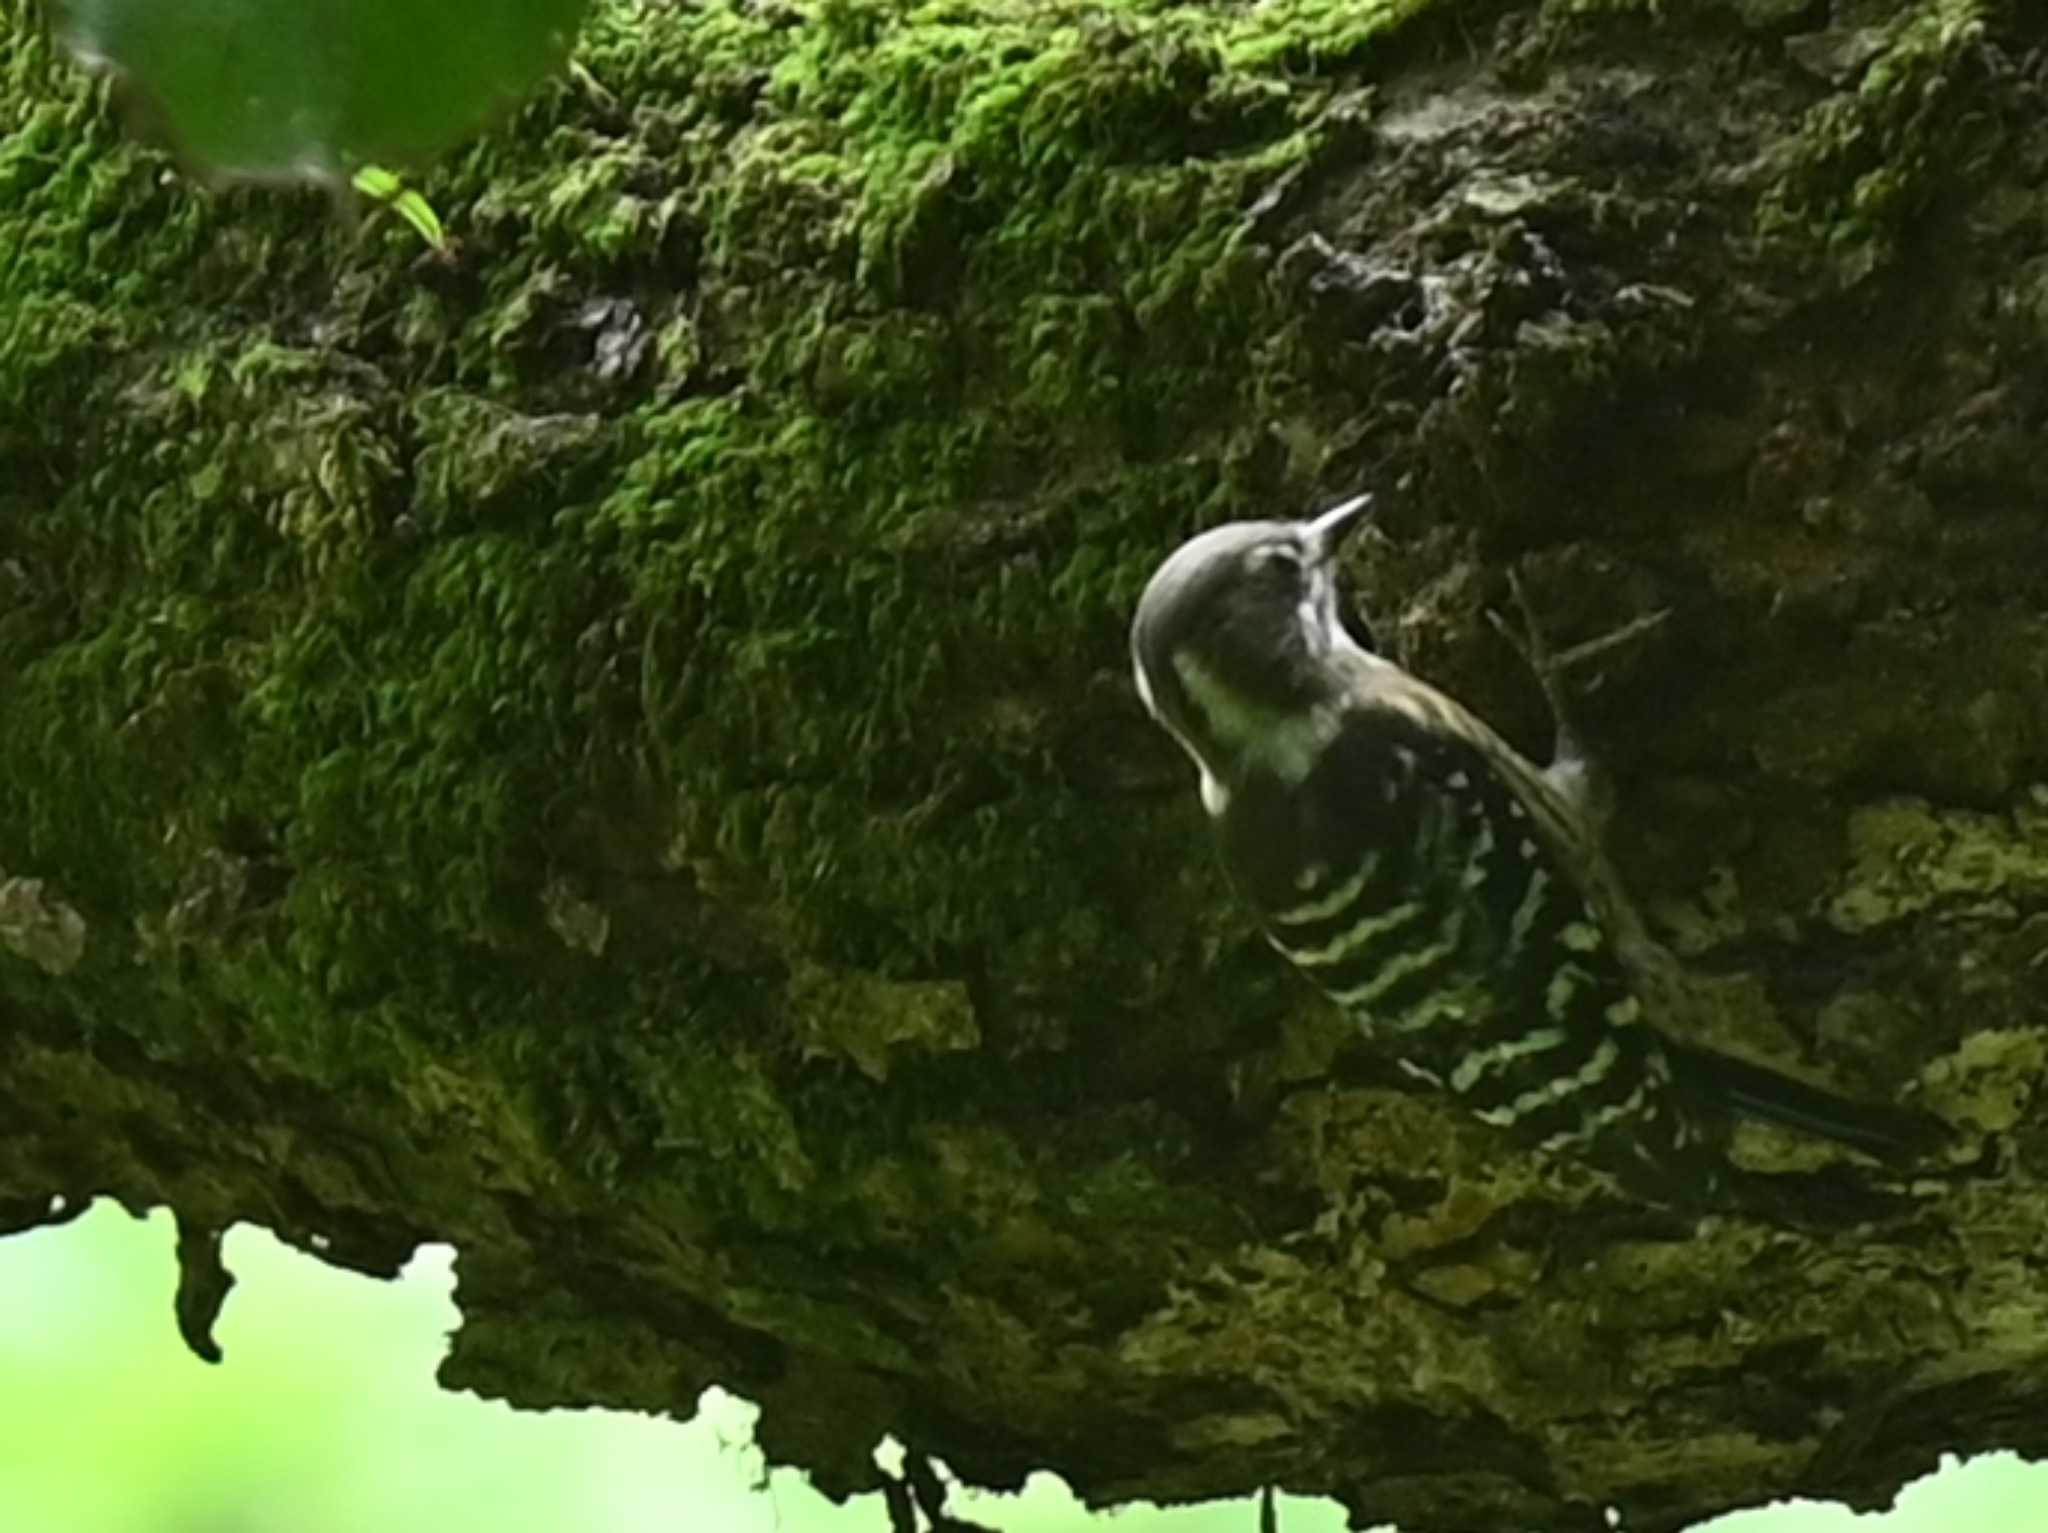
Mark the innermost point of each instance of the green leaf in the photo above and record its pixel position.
(311, 89)
(418, 212)
(381, 185)
(377, 183)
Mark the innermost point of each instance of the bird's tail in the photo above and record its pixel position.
(1722, 1084)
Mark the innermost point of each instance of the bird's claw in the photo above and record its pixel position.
(1573, 770)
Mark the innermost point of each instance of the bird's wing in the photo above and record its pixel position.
(1710, 1080)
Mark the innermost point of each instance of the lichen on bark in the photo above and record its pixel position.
(611, 747)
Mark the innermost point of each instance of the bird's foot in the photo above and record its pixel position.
(1573, 770)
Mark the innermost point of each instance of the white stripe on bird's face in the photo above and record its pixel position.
(1215, 795)
(1144, 688)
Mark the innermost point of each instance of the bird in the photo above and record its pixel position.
(1446, 893)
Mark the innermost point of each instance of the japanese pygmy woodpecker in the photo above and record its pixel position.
(1428, 878)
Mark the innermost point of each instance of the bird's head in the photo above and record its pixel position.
(1233, 642)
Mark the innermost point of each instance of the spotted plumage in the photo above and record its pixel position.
(1433, 883)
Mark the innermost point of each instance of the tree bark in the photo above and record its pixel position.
(612, 748)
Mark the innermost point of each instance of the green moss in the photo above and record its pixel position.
(1917, 127)
(694, 473)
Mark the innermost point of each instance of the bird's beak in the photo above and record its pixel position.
(1326, 534)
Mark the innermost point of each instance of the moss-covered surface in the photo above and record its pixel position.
(611, 747)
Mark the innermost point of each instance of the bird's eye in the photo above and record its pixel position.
(1275, 561)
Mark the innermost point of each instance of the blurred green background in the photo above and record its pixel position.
(325, 1419)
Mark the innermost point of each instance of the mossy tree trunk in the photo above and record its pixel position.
(612, 748)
